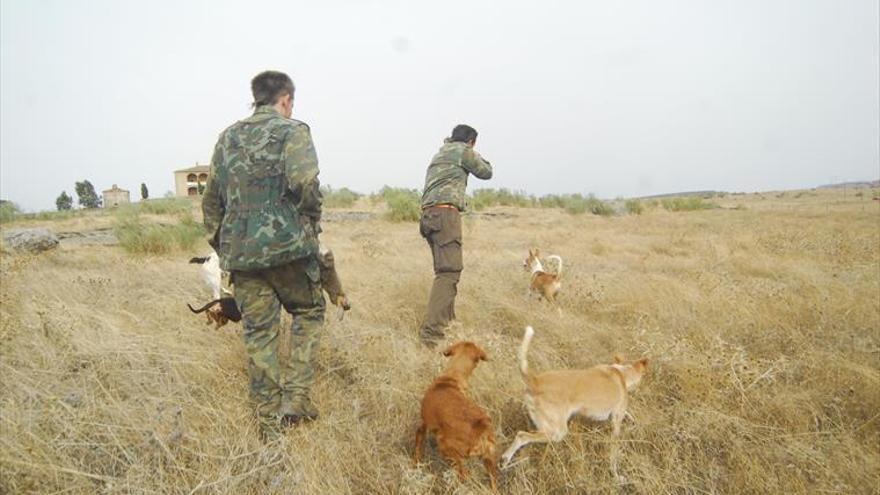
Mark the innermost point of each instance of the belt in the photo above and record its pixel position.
(441, 205)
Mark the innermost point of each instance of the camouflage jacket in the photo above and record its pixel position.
(447, 175)
(262, 203)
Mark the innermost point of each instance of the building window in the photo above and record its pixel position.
(203, 178)
(191, 178)
(192, 191)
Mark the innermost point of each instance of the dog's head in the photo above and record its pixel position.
(465, 355)
(632, 373)
(530, 261)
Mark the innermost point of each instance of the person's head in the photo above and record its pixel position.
(273, 88)
(464, 134)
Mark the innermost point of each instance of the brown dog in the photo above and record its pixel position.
(462, 428)
(541, 283)
(552, 397)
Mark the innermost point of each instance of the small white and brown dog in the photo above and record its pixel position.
(552, 397)
(542, 283)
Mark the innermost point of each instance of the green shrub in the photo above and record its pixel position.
(135, 236)
(482, 198)
(341, 198)
(404, 205)
(634, 207)
(8, 211)
(576, 204)
(686, 204)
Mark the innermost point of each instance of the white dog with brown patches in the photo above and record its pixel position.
(542, 283)
(552, 397)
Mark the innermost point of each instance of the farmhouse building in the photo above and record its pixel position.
(188, 180)
(115, 196)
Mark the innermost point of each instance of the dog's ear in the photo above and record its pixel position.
(641, 365)
(537, 253)
(618, 358)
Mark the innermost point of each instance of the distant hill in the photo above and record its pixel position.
(702, 194)
(871, 183)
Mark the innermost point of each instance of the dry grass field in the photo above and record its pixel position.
(762, 325)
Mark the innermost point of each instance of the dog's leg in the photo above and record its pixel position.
(420, 444)
(459, 466)
(492, 468)
(616, 420)
(522, 439)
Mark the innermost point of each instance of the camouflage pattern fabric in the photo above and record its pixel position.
(262, 202)
(262, 205)
(277, 387)
(446, 179)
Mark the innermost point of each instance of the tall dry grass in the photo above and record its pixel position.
(762, 325)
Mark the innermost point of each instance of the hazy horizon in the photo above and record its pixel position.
(570, 97)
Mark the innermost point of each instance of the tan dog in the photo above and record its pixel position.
(462, 428)
(552, 397)
(542, 283)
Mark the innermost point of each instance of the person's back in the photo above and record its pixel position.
(265, 222)
(447, 175)
(262, 206)
(443, 200)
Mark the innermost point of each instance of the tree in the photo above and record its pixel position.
(201, 188)
(63, 201)
(145, 194)
(88, 198)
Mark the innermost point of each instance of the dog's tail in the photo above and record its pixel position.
(523, 352)
(558, 264)
(199, 259)
(205, 307)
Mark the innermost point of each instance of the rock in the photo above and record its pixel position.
(32, 240)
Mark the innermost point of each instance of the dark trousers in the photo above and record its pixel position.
(441, 227)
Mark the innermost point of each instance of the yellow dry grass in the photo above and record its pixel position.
(763, 326)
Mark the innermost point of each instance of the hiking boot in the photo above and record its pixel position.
(430, 339)
(300, 409)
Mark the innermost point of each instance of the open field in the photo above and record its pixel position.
(761, 319)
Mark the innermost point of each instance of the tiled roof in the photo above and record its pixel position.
(196, 169)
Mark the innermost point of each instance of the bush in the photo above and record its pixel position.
(634, 207)
(576, 204)
(8, 211)
(404, 205)
(686, 204)
(482, 198)
(342, 198)
(135, 236)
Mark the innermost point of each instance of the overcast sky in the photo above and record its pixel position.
(609, 97)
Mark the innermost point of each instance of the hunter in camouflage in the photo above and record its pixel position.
(262, 204)
(443, 201)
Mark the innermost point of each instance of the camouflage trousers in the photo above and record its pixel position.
(260, 294)
(441, 227)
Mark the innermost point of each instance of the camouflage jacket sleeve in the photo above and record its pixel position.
(213, 204)
(475, 164)
(301, 169)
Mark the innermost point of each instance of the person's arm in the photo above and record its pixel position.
(301, 168)
(475, 164)
(213, 205)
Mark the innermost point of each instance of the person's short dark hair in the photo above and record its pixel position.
(463, 134)
(270, 85)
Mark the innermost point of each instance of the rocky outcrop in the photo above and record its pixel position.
(29, 240)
